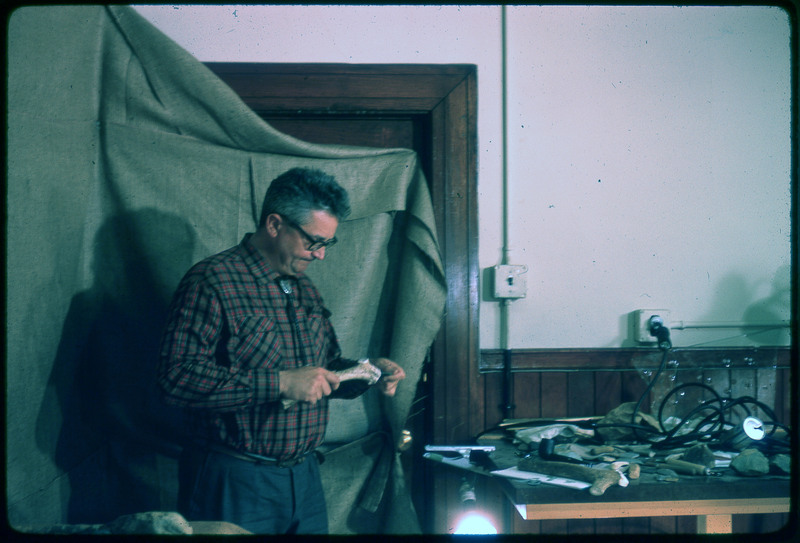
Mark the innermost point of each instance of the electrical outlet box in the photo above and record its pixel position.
(642, 324)
(509, 281)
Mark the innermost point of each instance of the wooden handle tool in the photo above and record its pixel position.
(600, 479)
(682, 466)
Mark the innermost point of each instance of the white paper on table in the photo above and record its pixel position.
(514, 473)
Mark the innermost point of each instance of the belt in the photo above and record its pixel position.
(257, 458)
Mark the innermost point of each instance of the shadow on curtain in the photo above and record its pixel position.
(103, 376)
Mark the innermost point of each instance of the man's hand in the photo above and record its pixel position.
(307, 384)
(391, 375)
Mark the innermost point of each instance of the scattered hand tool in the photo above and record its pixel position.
(688, 468)
(547, 451)
(600, 479)
(460, 450)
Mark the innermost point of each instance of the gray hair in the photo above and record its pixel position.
(299, 192)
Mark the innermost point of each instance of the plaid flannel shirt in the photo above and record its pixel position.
(231, 329)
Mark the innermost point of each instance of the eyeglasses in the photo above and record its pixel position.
(314, 243)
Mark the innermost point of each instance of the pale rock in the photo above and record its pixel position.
(750, 463)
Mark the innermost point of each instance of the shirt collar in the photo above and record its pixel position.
(258, 265)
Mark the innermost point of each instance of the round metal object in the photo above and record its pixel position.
(753, 428)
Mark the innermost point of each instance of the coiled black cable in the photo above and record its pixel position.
(710, 428)
(701, 432)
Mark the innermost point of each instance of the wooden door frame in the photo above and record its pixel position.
(447, 96)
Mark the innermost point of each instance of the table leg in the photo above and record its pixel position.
(714, 524)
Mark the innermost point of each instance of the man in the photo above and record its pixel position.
(247, 330)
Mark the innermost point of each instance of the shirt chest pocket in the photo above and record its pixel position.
(254, 343)
(317, 326)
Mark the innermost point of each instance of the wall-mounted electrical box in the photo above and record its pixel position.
(509, 281)
(642, 324)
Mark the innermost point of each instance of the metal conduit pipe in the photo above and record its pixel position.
(507, 407)
(683, 325)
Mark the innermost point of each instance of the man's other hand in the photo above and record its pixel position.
(391, 375)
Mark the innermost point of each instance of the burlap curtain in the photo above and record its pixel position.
(128, 161)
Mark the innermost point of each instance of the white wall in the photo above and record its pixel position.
(648, 149)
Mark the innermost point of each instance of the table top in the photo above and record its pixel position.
(727, 486)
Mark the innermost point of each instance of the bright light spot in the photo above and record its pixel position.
(475, 524)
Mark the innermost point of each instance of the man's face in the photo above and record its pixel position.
(293, 256)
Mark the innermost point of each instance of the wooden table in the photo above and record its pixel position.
(713, 499)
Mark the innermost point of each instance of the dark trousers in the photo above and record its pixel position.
(264, 499)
